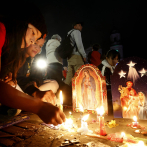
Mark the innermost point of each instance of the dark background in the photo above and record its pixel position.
(99, 17)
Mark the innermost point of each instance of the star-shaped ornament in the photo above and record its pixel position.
(142, 72)
(131, 64)
(122, 74)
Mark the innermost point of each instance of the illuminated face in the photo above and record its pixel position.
(111, 61)
(34, 49)
(141, 96)
(78, 27)
(129, 84)
(132, 93)
(86, 73)
(32, 34)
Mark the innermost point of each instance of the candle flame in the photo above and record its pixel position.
(100, 110)
(137, 131)
(81, 108)
(97, 110)
(125, 108)
(68, 122)
(85, 117)
(140, 144)
(123, 134)
(69, 112)
(61, 98)
(135, 118)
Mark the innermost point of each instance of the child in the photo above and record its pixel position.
(107, 68)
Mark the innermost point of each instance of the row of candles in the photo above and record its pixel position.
(100, 111)
(84, 127)
(100, 118)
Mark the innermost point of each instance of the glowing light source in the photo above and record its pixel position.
(122, 74)
(135, 118)
(85, 117)
(41, 64)
(131, 64)
(123, 134)
(142, 72)
(81, 108)
(101, 112)
(140, 144)
(61, 101)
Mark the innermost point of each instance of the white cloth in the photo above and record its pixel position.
(106, 64)
(76, 37)
(49, 85)
(51, 46)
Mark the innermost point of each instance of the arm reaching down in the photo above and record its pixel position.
(16, 99)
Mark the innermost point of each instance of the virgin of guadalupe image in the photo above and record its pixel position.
(142, 104)
(88, 88)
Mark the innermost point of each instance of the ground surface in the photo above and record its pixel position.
(35, 135)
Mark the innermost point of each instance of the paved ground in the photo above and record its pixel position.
(43, 136)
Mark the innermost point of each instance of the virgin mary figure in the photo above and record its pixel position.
(88, 91)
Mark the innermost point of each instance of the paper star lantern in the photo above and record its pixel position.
(122, 74)
(131, 64)
(142, 72)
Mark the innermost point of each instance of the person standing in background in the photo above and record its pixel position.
(78, 56)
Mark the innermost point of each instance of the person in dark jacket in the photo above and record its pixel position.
(107, 68)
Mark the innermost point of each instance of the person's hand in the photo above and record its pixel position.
(8, 77)
(84, 59)
(51, 114)
(45, 96)
(8, 80)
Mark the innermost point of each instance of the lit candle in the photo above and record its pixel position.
(98, 110)
(81, 111)
(122, 137)
(137, 131)
(61, 101)
(84, 127)
(70, 115)
(101, 129)
(135, 123)
(83, 122)
(140, 144)
(101, 122)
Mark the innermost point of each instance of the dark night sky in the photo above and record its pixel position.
(99, 17)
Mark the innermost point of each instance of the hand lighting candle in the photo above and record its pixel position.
(61, 101)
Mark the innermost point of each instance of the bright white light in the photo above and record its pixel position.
(123, 134)
(135, 118)
(102, 111)
(81, 108)
(140, 144)
(41, 64)
(61, 98)
(85, 117)
(122, 74)
(142, 72)
(132, 74)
